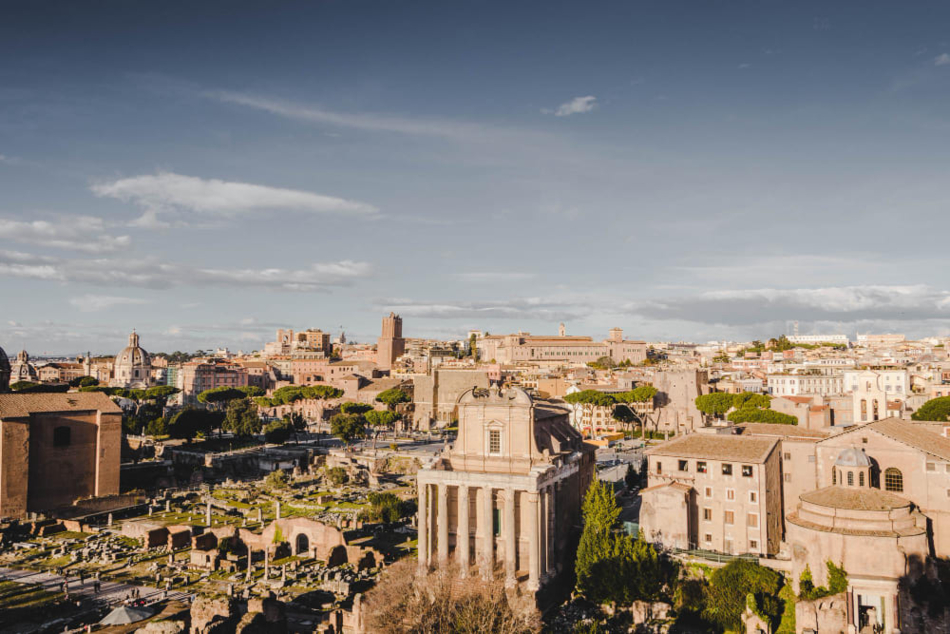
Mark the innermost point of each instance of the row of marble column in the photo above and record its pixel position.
(539, 528)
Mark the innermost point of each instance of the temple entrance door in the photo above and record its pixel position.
(302, 544)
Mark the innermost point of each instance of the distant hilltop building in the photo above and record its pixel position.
(838, 340)
(561, 348)
(889, 339)
(391, 345)
(288, 342)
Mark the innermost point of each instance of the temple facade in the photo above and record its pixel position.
(506, 496)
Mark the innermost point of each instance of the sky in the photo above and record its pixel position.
(207, 172)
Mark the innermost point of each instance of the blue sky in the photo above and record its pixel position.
(208, 172)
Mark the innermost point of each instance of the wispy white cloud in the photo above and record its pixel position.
(515, 308)
(372, 122)
(151, 273)
(78, 233)
(170, 192)
(942, 60)
(744, 66)
(577, 105)
(89, 303)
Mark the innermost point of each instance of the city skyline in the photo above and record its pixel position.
(707, 174)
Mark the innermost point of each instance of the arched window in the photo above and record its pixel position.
(834, 476)
(876, 412)
(864, 409)
(62, 436)
(851, 478)
(861, 479)
(894, 480)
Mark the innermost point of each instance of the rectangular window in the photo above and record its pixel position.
(726, 469)
(788, 477)
(709, 492)
(707, 538)
(788, 456)
(746, 471)
(707, 515)
(753, 545)
(701, 467)
(659, 467)
(753, 497)
(494, 441)
(684, 465)
(730, 517)
(931, 466)
(730, 494)
(752, 521)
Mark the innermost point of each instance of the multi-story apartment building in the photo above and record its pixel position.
(809, 383)
(719, 492)
(876, 394)
(840, 340)
(196, 377)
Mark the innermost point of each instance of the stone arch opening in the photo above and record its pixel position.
(301, 544)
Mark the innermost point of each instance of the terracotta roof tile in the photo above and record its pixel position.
(716, 447)
(22, 405)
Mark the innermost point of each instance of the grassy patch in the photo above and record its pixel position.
(787, 626)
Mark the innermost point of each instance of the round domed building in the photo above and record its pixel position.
(133, 366)
(22, 370)
(4, 371)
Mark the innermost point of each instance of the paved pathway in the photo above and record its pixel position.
(110, 592)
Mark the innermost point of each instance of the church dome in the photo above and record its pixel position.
(132, 366)
(133, 355)
(853, 457)
(4, 371)
(21, 369)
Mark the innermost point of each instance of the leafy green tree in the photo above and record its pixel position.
(84, 381)
(729, 585)
(220, 395)
(32, 387)
(754, 415)
(242, 418)
(392, 397)
(751, 399)
(156, 427)
(588, 399)
(337, 476)
(388, 508)
(276, 479)
(355, 408)
(251, 390)
(631, 478)
(191, 421)
(936, 409)
(161, 392)
(278, 431)
(598, 548)
(347, 427)
(323, 392)
(624, 415)
(381, 419)
(715, 404)
(297, 423)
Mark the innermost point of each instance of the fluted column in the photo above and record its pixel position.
(511, 545)
(553, 558)
(534, 543)
(543, 532)
(461, 531)
(486, 518)
(443, 522)
(423, 525)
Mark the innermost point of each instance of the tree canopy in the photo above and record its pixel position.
(347, 427)
(30, 386)
(84, 381)
(242, 418)
(161, 392)
(221, 395)
(392, 397)
(278, 431)
(590, 397)
(728, 589)
(381, 419)
(292, 393)
(755, 415)
(936, 409)
(715, 404)
(191, 420)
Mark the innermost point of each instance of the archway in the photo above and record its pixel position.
(302, 543)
